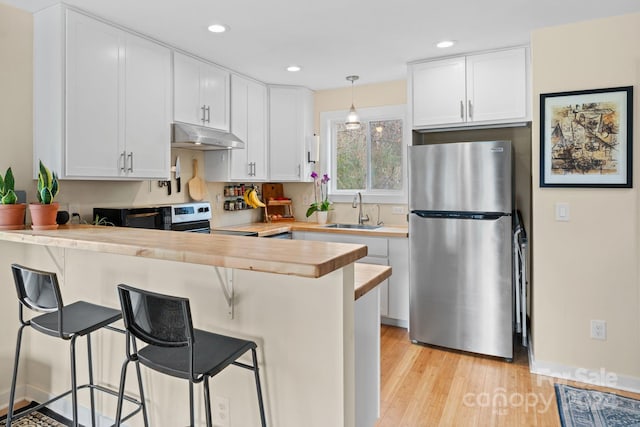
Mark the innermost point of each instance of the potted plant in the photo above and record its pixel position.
(11, 213)
(322, 206)
(43, 213)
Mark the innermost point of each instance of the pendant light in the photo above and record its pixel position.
(353, 121)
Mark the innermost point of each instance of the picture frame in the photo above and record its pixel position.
(586, 138)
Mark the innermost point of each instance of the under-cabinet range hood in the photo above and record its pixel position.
(184, 135)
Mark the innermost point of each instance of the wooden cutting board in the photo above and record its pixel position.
(196, 184)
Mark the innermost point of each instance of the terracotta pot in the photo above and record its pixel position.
(43, 217)
(12, 216)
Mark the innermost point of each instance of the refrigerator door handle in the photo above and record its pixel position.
(490, 216)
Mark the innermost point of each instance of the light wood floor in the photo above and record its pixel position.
(428, 386)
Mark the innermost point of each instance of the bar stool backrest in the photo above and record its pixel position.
(156, 319)
(39, 291)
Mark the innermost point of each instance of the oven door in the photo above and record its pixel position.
(150, 219)
(192, 226)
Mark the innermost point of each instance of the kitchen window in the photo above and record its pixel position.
(371, 159)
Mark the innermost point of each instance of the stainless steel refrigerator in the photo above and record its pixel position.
(460, 253)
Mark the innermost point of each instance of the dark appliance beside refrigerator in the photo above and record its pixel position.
(460, 246)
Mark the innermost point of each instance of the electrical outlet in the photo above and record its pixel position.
(397, 210)
(599, 329)
(220, 409)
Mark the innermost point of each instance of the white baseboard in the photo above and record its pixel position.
(600, 377)
(394, 322)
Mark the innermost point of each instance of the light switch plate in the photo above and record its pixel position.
(562, 211)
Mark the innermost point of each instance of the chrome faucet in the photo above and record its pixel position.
(357, 203)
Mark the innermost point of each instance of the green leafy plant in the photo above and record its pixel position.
(47, 185)
(102, 221)
(7, 193)
(324, 204)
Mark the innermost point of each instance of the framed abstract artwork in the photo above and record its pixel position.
(586, 138)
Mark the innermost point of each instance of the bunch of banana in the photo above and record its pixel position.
(251, 198)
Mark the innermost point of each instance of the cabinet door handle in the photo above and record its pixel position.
(208, 114)
(299, 170)
(123, 160)
(130, 156)
(254, 168)
(202, 119)
(249, 169)
(461, 110)
(470, 110)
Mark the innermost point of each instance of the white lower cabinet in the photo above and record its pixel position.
(399, 280)
(392, 251)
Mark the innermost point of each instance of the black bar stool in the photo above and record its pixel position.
(39, 291)
(174, 348)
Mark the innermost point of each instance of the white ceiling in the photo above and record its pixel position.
(331, 39)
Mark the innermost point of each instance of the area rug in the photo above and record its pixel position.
(40, 418)
(580, 407)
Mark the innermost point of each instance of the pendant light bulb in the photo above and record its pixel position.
(353, 120)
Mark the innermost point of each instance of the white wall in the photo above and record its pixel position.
(587, 268)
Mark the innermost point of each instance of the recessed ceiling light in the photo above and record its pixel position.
(293, 68)
(218, 28)
(445, 43)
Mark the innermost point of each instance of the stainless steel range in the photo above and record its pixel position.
(193, 217)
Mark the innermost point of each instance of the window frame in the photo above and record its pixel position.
(328, 155)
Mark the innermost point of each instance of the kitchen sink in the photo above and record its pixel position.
(353, 226)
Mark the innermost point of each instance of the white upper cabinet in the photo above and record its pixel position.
(439, 92)
(485, 88)
(94, 141)
(290, 128)
(201, 93)
(148, 107)
(102, 104)
(249, 123)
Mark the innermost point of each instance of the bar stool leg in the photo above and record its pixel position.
(191, 410)
(207, 402)
(141, 389)
(74, 382)
(123, 377)
(257, 375)
(91, 394)
(14, 379)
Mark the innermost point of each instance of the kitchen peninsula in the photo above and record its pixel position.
(296, 299)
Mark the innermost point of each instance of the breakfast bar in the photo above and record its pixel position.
(308, 305)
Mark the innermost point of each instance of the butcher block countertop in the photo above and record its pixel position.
(368, 276)
(291, 257)
(268, 229)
